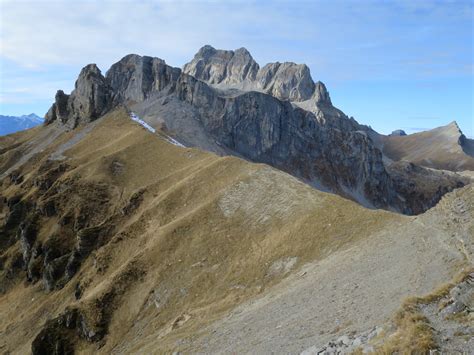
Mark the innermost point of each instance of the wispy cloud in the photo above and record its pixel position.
(351, 39)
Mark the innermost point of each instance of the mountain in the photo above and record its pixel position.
(158, 212)
(444, 147)
(116, 239)
(275, 115)
(11, 124)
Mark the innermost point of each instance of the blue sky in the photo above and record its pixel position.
(389, 64)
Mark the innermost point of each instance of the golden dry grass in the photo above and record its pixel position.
(413, 334)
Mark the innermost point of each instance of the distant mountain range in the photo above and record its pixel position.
(11, 124)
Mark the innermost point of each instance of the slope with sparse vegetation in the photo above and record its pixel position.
(113, 239)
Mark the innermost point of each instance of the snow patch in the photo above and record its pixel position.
(137, 119)
(174, 141)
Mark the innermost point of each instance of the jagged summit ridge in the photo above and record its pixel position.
(223, 66)
(134, 78)
(238, 69)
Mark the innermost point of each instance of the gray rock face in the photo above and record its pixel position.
(135, 77)
(88, 101)
(285, 81)
(59, 109)
(222, 67)
(398, 132)
(91, 96)
(321, 94)
(264, 129)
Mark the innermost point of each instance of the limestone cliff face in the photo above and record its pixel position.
(286, 81)
(222, 67)
(321, 94)
(237, 69)
(264, 129)
(135, 77)
(90, 99)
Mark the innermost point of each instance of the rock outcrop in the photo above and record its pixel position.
(90, 99)
(286, 81)
(237, 69)
(223, 67)
(398, 133)
(135, 77)
(321, 94)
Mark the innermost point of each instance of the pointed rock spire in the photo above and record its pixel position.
(321, 94)
(88, 101)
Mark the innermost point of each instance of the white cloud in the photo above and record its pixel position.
(339, 39)
(36, 33)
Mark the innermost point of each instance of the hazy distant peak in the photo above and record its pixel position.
(398, 133)
(11, 124)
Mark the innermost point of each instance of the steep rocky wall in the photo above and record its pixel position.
(90, 99)
(237, 69)
(265, 129)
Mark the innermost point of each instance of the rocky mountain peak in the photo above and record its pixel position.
(217, 66)
(205, 51)
(88, 101)
(135, 77)
(237, 69)
(466, 144)
(449, 133)
(286, 81)
(90, 70)
(453, 126)
(398, 133)
(321, 94)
